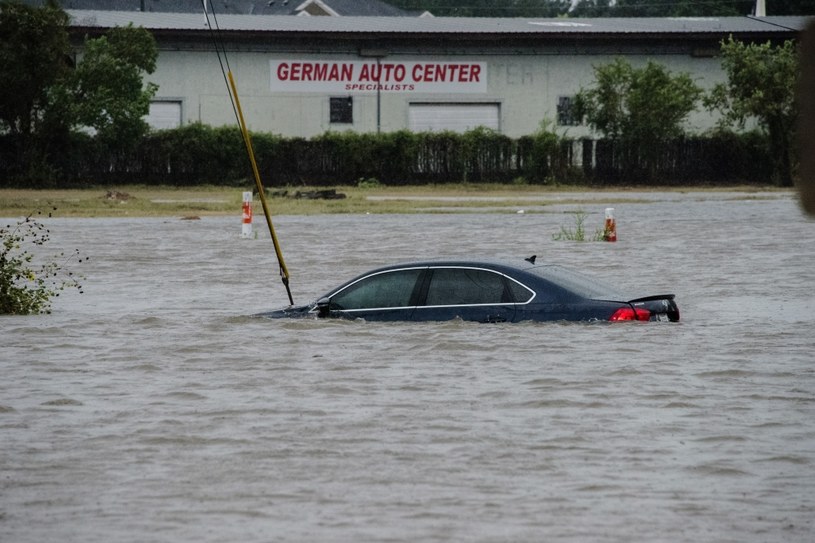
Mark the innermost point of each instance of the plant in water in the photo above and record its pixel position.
(579, 231)
(25, 287)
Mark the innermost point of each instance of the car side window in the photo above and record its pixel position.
(464, 286)
(520, 293)
(387, 289)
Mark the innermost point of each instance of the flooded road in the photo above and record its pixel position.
(155, 408)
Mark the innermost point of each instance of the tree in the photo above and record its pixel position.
(604, 8)
(682, 8)
(106, 92)
(708, 8)
(487, 8)
(638, 108)
(44, 98)
(642, 104)
(34, 53)
(591, 8)
(761, 82)
(791, 7)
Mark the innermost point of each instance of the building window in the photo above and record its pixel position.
(342, 110)
(566, 112)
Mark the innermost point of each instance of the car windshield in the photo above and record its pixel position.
(578, 283)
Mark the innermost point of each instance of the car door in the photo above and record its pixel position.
(469, 293)
(383, 296)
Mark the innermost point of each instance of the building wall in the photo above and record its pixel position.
(526, 85)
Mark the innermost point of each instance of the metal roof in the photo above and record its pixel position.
(246, 7)
(442, 25)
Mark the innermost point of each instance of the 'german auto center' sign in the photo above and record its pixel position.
(357, 77)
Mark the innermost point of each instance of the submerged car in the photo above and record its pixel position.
(482, 291)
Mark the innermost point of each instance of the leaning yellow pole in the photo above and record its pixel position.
(284, 272)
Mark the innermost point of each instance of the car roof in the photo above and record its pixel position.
(518, 264)
(565, 278)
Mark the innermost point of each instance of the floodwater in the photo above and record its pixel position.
(155, 408)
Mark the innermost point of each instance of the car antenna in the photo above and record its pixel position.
(531, 259)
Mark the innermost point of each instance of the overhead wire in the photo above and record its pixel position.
(219, 48)
(232, 90)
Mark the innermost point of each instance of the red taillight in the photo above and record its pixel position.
(631, 314)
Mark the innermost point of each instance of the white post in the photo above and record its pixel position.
(246, 231)
(610, 230)
(761, 9)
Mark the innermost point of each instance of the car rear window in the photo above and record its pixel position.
(578, 283)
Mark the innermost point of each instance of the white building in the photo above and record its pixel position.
(303, 76)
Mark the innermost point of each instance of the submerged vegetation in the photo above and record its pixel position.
(25, 286)
(578, 233)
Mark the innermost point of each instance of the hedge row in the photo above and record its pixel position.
(199, 154)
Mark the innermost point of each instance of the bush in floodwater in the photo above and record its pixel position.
(26, 288)
(579, 231)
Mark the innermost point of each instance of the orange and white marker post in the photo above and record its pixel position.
(610, 231)
(246, 231)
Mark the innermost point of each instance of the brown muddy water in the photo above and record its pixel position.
(155, 408)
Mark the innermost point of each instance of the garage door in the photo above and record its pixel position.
(164, 114)
(459, 117)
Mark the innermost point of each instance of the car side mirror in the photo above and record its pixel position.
(322, 307)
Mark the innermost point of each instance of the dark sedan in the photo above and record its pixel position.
(482, 291)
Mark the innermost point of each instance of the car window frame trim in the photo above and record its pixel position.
(425, 279)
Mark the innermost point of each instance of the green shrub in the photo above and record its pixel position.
(579, 231)
(26, 288)
(198, 154)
